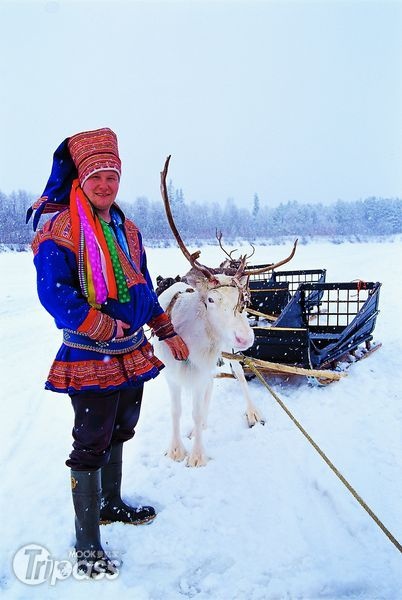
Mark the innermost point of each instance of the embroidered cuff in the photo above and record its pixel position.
(98, 326)
(162, 326)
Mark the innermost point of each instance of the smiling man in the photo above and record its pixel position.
(101, 190)
(92, 277)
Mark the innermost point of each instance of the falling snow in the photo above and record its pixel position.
(265, 519)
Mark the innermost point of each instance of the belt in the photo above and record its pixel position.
(74, 339)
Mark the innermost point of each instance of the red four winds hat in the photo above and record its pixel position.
(94, 151)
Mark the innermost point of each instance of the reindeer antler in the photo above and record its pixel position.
(192, 258)
(250, 255)
(219, 238)
(243, 287)
(241, 268)
(234, 261)
(238, 271)
(272, 267)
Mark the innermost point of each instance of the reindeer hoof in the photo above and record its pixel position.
(197, 460)
(253, 418)
(177, 453)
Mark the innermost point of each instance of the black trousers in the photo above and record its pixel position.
(102, 419)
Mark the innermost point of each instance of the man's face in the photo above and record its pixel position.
(101, 190)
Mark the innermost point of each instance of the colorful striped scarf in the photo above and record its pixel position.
(99, 269)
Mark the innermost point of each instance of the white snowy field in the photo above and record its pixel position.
(266, 518)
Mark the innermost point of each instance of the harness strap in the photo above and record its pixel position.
(171, 304)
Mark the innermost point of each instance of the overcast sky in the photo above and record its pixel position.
(292, 100)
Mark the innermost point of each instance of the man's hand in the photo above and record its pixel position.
(121, 326)
(177, 347)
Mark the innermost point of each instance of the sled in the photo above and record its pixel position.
(324, 326)
(270, 292)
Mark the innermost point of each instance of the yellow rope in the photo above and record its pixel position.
(249, 363)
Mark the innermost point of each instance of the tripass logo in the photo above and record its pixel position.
(33, 565)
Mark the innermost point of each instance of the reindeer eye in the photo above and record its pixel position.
(211, 300)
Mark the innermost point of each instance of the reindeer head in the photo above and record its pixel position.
(225, 302)
(221, 277)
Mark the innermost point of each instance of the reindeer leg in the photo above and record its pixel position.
(176, 450)
(197, 457)
(252, 413)
(205, 410)
(207, 401)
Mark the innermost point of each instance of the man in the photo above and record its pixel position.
(92, 277)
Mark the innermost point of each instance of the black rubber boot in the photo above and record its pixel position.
(113, 509)
(86, 490)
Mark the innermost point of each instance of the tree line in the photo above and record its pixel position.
(197, 222)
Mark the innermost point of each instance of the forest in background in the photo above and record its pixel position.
(197, 223)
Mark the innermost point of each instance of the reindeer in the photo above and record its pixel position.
(252, 414)
(207, 311)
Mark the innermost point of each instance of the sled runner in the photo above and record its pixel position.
(323, 324)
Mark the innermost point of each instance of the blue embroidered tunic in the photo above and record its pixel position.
(76, 369)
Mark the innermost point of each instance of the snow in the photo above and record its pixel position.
(266, 518)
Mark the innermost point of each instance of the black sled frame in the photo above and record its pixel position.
(317, 335)
(270, 292)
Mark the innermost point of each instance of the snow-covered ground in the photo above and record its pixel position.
(266, 518)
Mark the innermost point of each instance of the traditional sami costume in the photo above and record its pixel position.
(90, 273)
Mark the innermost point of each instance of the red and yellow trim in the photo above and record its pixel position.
(103, 374)
(98, 326)
(162, 326)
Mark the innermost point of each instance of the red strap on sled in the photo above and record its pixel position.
(361, 285)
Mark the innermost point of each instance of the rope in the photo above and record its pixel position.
(249, 363)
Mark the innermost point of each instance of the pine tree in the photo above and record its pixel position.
(256, 206)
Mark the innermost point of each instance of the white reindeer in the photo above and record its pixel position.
(208, 313)
(208, 320)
